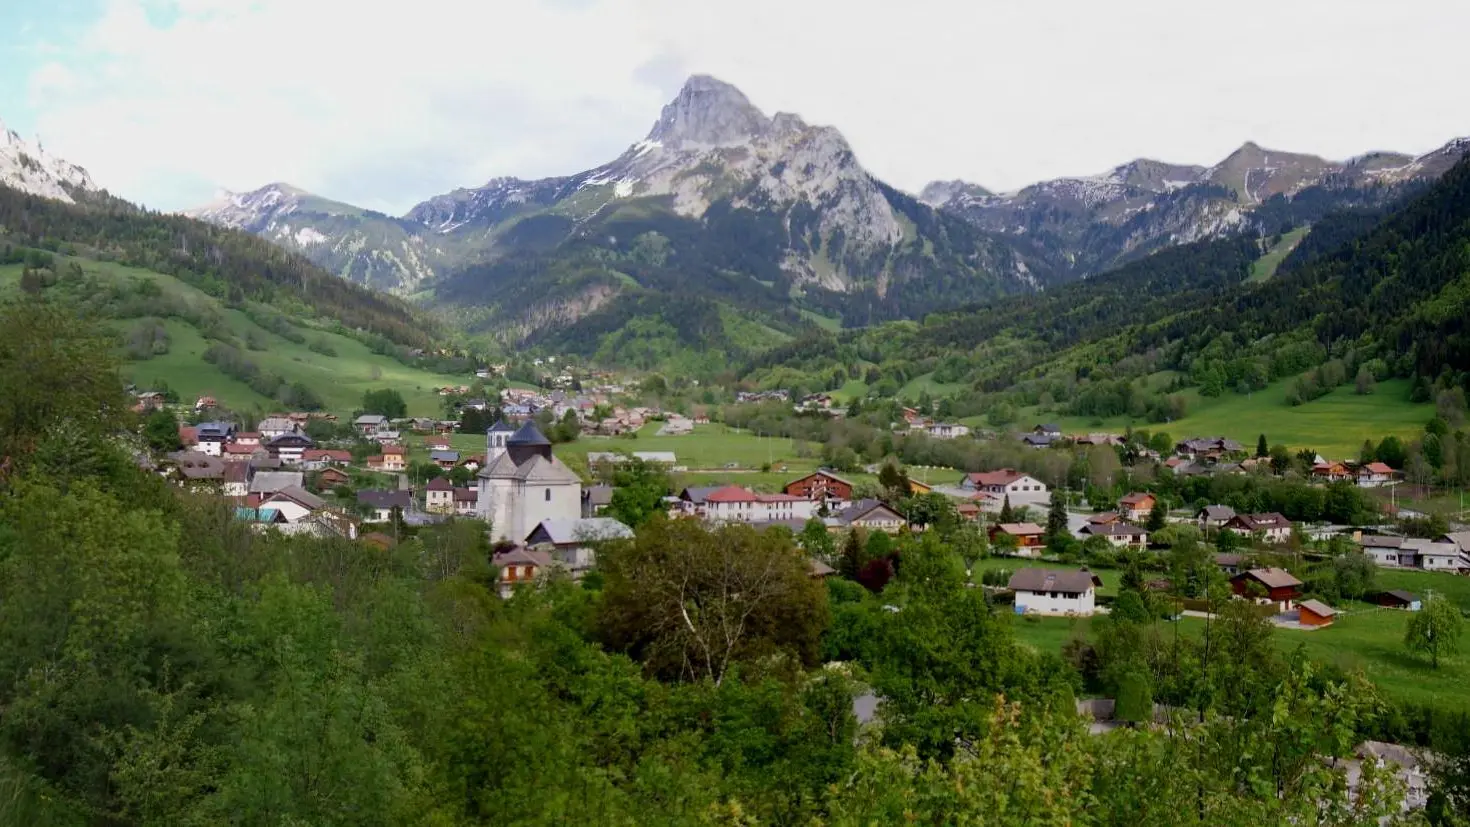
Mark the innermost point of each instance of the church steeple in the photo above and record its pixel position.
(528, 442)
(495, 439)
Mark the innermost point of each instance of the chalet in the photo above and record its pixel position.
(444, 459)
(871, 515)
(1385, 550)
(573, 542)
(212, 437)
(1214, 517)
(918, 488)
(317, 458)
(149, 401)
(1049, 430)
(265, 483)
(439, 496)
(236, 452)
(1104, 518)
(391, 461)
(968, 510)
(294, 503)
(947, 430)
(1048, 592)
(466, 502)
(1398, 599)
(1278, 584)
(205, 403)
(1231, 564)
(275, 426)
(369, 424)
(1331, 472)
(1005, 482)
(1272, 527)
(1038, 441)
(519, 566)
(821, 486)
(289, 448)
(332, 478)
(1122, 535)
(198, 470)
(1029, 536)
(382, 503)
(735, 504)
(1208, 448)
(1137, 506)
(1315, 613)
(236, 480)
(387, 437)
(1373, 475)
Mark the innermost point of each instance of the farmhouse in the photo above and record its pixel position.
(439, 496)
(1214, 516)
(274, 426)
(1272, 527)
(1047, 592)
(1137, 506)
(444, 459)
(1005, 482)
(1373, 475)
(1122, 535)
(820, 485)
(735, 504)
(1028, 536)
(519, 566)
(382, 503)
(289, 448)
(369, 424)
(1278, 584)
(871, 515)
(571, 542)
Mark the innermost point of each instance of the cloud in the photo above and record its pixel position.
(386, 104)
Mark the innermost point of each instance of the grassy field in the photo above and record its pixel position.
(339, 380)
(1366, 638)
(1334, 425)
(1265, 266)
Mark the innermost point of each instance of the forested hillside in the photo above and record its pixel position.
(230, 264)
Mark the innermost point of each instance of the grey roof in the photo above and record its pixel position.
(599, 495)
(1380, 541)
(1217, 512)
(370, 419)
(293, 437)
(585, 530)
(528, 434)
(276, 423)
(521, 556)
(1459, 538)
(445, 456)
(1317, 607)
(1115, 530)
(269, 482)
(699, 493)
(536, 469)
(500, 427)
(1400, 594)
(384, 499)
(1048, 580)
(300, 495)
(1272, 578)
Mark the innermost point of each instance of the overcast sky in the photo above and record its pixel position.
(384, 104)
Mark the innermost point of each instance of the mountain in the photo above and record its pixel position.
(1086, 225)
(30, 169)
(359, 245)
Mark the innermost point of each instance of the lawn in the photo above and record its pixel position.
(1265, 266)
(339, 380)
(1334, 425)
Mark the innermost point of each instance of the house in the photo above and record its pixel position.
(294, 503)
(1029, 537)
(1279, 584)
(387, 437)
(289, 448)
(313, 459)
(369, 424)
(1461, 539)
(1208, 448)
(664, 458)
(732, 503)
(871, 515)
(439, 496)
(572, 542)
(1104, 518)
(1214, 517)
(969, 510)
(519, 566)
(1315, 613)
(1137, 506)
(198, 470)
(391, 461)
(1331, 472)
(919, 489)
(1401, 762)
(1007, 482)
(595, 499)
(205, 403)
(466, 502)
(332, 478)
(237, 452)
(236, 480)
(1122, 535)
(1398, 599)
(522, 484)
(1048, 592)
(1384, 550)
(1272, 527)
(265, 483)
(149, 401)
(212, 436)
(820, 485)
(1432, 555)
(1048, 429)
(947, 430)
(382, 503)
(1038, 441)
(444, 459)
(274, 426)
(1231, 564)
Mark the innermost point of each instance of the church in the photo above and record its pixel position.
(523, 484)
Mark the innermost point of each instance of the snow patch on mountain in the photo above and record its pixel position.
(30, 169)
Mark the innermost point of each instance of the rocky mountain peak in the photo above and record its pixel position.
(29, 168)
(708, 112)
(939, 193)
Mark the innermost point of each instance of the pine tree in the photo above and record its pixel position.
(1056, 520)
(1156, 517)
(1006, 514)
(1262, 448)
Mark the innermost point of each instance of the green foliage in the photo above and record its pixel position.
(161, 431)
(384, 402)
(638, 496)
(1434, 629)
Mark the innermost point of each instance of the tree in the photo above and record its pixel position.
(638, 493)
(384, 402)
(1056, 520)
(1391, 452)
(1353, 574)
(1434, 629)
(1363, 384)
(817, 540)
(161, 431)
(1280, 459)
(894, 480)
(1006, 514)
(1157, 516)
(854, 553)
(1262, 450)
(692, 603)
(1135, 702)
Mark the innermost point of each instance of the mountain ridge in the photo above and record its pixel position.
(32, 170)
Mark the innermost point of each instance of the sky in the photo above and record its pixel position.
(380, 104)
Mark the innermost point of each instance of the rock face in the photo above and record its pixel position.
(1087, 224)
(32, 170)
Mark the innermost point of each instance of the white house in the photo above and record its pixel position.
(439, 496)
(735, 504)
(523, 484)
(571, 542)
(948, 430)
(274, 426)
(1373, 475)
(1048, 592)
(294, 503)
(212, 436)
(1007, 482)
(1119, 534)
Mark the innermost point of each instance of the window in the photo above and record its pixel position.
(548, 495)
